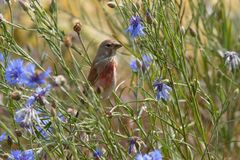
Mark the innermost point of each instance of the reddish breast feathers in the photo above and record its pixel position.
(108, 74)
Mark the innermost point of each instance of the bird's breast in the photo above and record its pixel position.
(107, 76)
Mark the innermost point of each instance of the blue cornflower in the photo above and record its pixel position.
(42, 129)
(146, 61)
(26, 116)
(131, 146)
(14, 72)
(38, 95)
(1, 57)
(97, 153)
(232, 60)
(33, 79)
(134, 65)
(3, 136)
(142, 157)
(21, 155)
(135, 29)
(61, 117)
(162, 90)
(154, 155)
(145, 64)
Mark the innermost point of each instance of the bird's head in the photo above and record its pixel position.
(108, 49)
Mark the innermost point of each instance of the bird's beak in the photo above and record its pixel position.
(117, 45)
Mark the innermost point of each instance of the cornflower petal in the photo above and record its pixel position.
(14, 72)
(135, 29)
(3, 136)
(232, 59)
(26, 116)
(154, 155)
(162, 90)
(97, 153)
(33, 79)
(21, 155)
(133, 65)
(145, 64)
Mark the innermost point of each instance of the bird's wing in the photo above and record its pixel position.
(95, 70)
(93, 74)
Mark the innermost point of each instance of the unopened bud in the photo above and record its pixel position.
(139, 63)
(18, 133)
(53, 112)
(67, 41)
(109, 114)
(16, 95)
(24, 5)
(9, 141)
(149, 18)
(111, 4)
(77, 27)
(192, 32)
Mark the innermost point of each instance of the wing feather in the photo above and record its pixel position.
(92, 77)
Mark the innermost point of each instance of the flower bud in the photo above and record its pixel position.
(109, 114)
(192, 32)
(9, 141)
(67, 41)
(53, 112)
(16, 95)
(24, 5)
(77, 27)
(18, 133)
(139, 63)
(111, 4)
(149, 18)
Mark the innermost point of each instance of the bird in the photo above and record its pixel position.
(102, 75)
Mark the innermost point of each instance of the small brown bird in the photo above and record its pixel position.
(102, 75)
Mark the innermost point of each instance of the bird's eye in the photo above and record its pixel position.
(108, 45)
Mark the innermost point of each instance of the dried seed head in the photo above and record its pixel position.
(68, 41)
(72, 111)
(60, 80)
(77, 27)
(182, 30)
(111, 4)
(16, 95)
